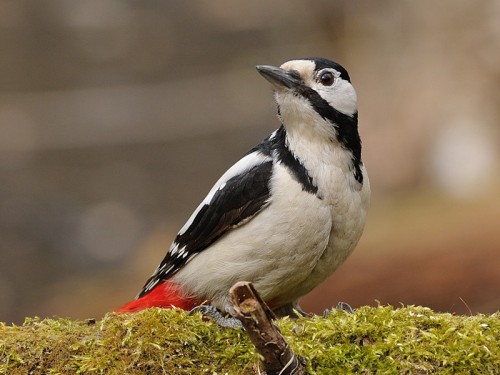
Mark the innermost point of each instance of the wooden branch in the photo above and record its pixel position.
(256, 317)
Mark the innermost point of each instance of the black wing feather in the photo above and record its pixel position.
(241, 198)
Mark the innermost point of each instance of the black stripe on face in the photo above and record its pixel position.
(345, 125)
(277, 144)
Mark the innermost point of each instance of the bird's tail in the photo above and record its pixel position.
(166, 294)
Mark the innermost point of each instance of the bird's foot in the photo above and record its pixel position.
(212, 312)
(343, 306)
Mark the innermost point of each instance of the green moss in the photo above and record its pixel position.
(394, 341)
(373, 340)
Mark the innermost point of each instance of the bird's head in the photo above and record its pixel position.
(316, 100)
(315, 91)
(316, 82)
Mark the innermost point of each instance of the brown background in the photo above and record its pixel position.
(116, 117)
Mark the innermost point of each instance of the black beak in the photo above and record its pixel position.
(279, 77)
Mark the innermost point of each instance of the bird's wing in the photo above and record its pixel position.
(241, 193)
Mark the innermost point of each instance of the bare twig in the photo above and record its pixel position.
(255, 315)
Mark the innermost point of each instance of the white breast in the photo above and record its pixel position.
(347, 203)
(277, 250)
(330, 167)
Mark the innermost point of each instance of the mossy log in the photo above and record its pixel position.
(384, 339)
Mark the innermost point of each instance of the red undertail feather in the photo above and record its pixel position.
(166, 295)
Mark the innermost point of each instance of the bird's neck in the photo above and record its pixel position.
(318, 143)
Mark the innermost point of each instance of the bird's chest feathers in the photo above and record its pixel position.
(331, 169)
(328, 164)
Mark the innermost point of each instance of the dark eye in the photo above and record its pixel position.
(327, 78)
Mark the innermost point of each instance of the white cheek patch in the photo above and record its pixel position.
(341, 96)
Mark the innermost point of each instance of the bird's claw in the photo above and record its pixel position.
(213, 313)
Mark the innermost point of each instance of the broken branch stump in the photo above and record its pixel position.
(256, 317)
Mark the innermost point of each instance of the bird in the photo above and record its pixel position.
(287, 214)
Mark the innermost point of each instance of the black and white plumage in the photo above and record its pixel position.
(289, 212)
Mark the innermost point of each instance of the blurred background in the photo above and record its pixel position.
(116, 117)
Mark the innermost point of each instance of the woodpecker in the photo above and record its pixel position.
(287, 214)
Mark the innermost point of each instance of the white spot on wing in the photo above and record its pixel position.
(151, 285)
(182, 252)
(174, 248)
(273, 134)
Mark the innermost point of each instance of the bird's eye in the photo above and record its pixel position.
(327, 78)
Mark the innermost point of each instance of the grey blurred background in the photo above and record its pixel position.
(116, 117)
